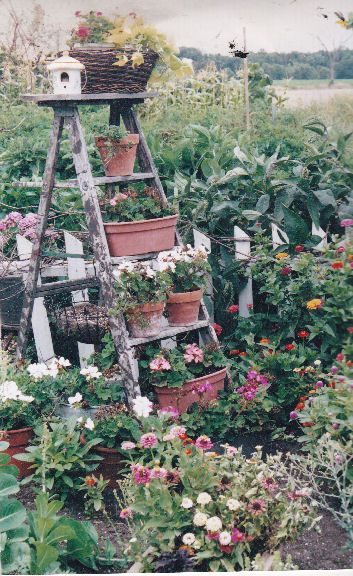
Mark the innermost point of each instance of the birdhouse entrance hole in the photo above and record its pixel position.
(64, 77)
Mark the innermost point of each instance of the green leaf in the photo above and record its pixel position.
(3, 445)
(263, 203)
(59, 534)
(44, 556)
(8, 485)
(325, 197)
(12, 514)
(295, 227)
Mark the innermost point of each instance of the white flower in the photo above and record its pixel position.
(214, 524)
(200, 519)
(150, 273)
(89, 424)
(9, 391)
(80, 419)
(142, 406)
(91, 372)
(197, 544)
(225, 538)
(188, 539)
(317, 362)
(187, 503)
(75, 399)
(38, 371)
(204, 498)
(233, 504)
(63, 362)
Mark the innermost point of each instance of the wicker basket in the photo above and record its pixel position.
(101, 76)
(85, 322)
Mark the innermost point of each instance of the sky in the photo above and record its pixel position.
(271, 25)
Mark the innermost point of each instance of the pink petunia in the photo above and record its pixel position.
(346, 222)
(126, 513)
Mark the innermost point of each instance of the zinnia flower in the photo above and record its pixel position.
(233, 309)
(125, 513)
(148, 440)
(314, 304)
(281, 255)
(214, 524)
(337, 264)
(204, 442)
(289, 346)
(257, 507)
(218, 329)
(188, 539)
(293, 415)
(140, 474)
(233, 504)
(303, 334)
(203, 498)
(237, 535)
(346, 222)
(128, 445)
(186, 503)
(200, 519)
(90, 481)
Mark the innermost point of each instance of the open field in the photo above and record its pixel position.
(322, 84)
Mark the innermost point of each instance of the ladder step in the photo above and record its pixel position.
(66, 286)
(169, 332)
(98, 181)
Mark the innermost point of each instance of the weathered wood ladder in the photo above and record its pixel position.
(66, 114)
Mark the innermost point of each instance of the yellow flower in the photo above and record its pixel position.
(281, 255)
(122, 59)
(137, 59)
(314, 304)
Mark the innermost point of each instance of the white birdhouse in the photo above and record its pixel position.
(66, 74)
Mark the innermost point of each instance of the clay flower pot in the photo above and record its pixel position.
(183, 307)
(145, 320)
(111, 464)
(18, 440)
(141, 236)
(182, 398)
(118, 156)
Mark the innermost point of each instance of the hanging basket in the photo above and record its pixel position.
(85, 322)
(100, 74)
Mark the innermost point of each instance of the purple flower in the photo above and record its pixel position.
(335, 426)
(237, 535)
(346, 222)
(204, 442)
(170, 411)
(141, 475)
(319, 384)
(334, 370)
(250, 395)
(293, 415)
(205, 387)
(251, 375)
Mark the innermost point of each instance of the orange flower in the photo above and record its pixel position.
(303, 334)
(264, 341)
(234, 352)
(337, 265)
(242, 354)
(300, 406)
(307, 424)
(188, 452)
(90, 481)
(349, 363)
(331, 384)
(188, 549)
(350, 257)
(314, 304)
(312, 391)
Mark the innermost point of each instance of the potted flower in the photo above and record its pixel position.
(117, 149)
(141, 295)
(17, 417)
(113, 425)
(138, 223)
(119, 55)
(187, 267)
(181, 377)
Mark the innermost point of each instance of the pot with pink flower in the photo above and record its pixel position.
(183, 377)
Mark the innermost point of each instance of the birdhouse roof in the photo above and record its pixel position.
(65, 62)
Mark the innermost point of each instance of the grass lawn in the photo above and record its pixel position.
(313, 84)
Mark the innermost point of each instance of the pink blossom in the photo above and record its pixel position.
(170, 411)
(193, 354)
(125, 513)
(205, 387)
(112, 202)
(204, 442)
(340, 249)
(83, 31)
(250, 306)
(212, 535)
(141, 475)
(257, 507)
(177, 431)
(237, 535)
(159, 364)
(346, 222)
(128, 445)
(159, 472)
(148, 440)
(231, 451)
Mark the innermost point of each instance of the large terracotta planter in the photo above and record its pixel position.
(145, 320)
(183, 307)
(182, 398)
(18, 440)
(141, 236)
(111, 464)
(118, 156)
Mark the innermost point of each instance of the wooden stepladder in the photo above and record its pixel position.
(66, 115)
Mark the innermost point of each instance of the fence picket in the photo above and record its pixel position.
(202, 240)
(40, 322)
(242, 252)
(317, 231)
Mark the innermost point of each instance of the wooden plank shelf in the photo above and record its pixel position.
(103, 98)
(169, 332)
(98, 181)
(66, 286)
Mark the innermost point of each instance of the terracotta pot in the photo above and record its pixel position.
(145, 320)
(18, 440)
(183, 307)
(118, 156)
(111, 465)
(141, 236)
(182, 398)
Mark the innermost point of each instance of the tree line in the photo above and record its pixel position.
(280, 65)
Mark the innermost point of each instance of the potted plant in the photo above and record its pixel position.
(187, 267)
(112, 425)
(117, 149)
(119, 55)
(141, 295)
(183, 376)
(138, 223)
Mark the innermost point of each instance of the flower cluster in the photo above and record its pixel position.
(9, 391)
(186, 266)
(51, 369)
(254, 381)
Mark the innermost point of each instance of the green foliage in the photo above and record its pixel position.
(112, 425)
(93, 489)
(114, 133)
(92, 27)
(186, 266)
(131, 205)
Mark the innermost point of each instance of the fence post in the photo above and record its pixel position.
(242, 252)
(76, 269)
(40, 322)
(202, 240)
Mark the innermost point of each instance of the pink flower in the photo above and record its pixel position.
(346, 222)
(148, 440)
(250, 306)
(218, 329)
(112, 202)
(177, 431)
(233, 309)
(293, 415)
(269, 484)
(128, 445)
(141, 475)
(257, 507)
(83, 31)
(193, 354)
(205, 387)
(340, 249)
(159, 472)
(204, 442)
(170, 411)
(78, 13)
(237, 535)
(285, 271)
(159, 364)
(125, 513)
(231, 451)
(99, 13)
(212, 535)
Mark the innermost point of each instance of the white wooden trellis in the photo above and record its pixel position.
(201, 239)
(242, 252)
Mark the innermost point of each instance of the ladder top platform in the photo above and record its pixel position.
(103, 98)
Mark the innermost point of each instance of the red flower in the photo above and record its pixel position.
(83, 32)
(218, 329)
(227, 549)
(299, 248)
(99, 13)
(337, 265)
(250, 306)
(303, 334)
(350, 329)
(183, 436)
(289, 346)
(78, 13)
(234, 352)
(340, 357)
(307, 424)
(233, 309)
(300, 406)
(285, 271)
(242, 354)
(90, 481)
